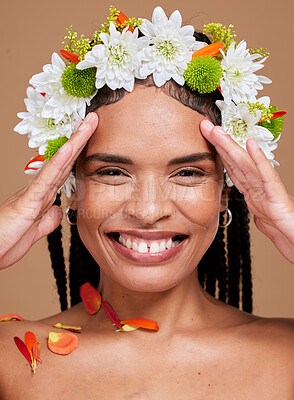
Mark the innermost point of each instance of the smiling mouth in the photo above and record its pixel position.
(140, 245)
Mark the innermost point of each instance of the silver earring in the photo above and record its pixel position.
(71, 216)
(229, 219)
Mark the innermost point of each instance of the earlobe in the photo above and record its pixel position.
(225, 198)
(72, 201)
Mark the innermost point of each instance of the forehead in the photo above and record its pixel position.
(147, 121)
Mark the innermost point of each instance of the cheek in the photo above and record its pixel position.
(200, 205)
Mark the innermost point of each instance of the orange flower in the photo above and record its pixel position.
(123, 18)
(210, 50)
(70, 56)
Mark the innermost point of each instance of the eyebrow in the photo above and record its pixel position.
(114, 158)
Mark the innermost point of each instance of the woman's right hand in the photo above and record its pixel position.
(30, 215)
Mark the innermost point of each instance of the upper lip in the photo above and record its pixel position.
(150, 234)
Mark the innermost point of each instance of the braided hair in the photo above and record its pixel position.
(225, 269)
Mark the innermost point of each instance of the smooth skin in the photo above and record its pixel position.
(204, 349)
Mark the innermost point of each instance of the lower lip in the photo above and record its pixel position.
(147, 257)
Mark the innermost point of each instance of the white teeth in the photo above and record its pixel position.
(142, 248)
(169, 243)
(129, 243)
(154, 248)
(162, 246)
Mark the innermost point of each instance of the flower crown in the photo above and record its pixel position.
(116, 55)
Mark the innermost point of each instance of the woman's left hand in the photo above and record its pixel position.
(253, 175)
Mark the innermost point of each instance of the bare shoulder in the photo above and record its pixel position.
(279, 331)
(271, 346)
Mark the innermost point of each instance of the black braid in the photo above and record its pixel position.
(75, 271)
(83, 268)
(57, 260)
(222, 270)
(246, 259)
(234, 248)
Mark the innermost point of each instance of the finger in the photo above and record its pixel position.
(233, 156)
(55, 172)
(268, 175)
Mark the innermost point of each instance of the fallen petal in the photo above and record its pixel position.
(91, 298)
(75, 329)
(142, 323)
(129, 328)
(10, 317)
(62, 343)
(30, 340)
(109, 311)
(36, 352)
(23, 348)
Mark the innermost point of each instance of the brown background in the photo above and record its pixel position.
(32, 30)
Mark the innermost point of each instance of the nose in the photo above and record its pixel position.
(148, 203)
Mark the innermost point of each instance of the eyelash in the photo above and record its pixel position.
(189, 170)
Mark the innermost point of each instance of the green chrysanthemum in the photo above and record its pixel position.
(79, 83)
(53, 146)
(275, 126)
(203, 74)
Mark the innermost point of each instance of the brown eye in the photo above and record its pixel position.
(109, 172)
(188, 172)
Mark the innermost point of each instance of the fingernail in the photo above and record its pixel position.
(209, 125)
(89, 117)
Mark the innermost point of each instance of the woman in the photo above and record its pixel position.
(133, 183)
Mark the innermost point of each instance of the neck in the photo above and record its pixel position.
(186, 305)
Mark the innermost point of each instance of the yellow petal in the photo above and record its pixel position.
(129, 328)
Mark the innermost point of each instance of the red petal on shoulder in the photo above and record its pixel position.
(109, 311)
(91, 298)
(142, 323)
(23, 348)
(10, 317)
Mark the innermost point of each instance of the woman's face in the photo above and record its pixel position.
(149, 190)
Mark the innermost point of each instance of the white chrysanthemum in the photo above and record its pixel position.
(69, 185)
(59, 102)
(241, 125)
(171, 47)
(38, 128)
(239, 82)
(117, 60)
